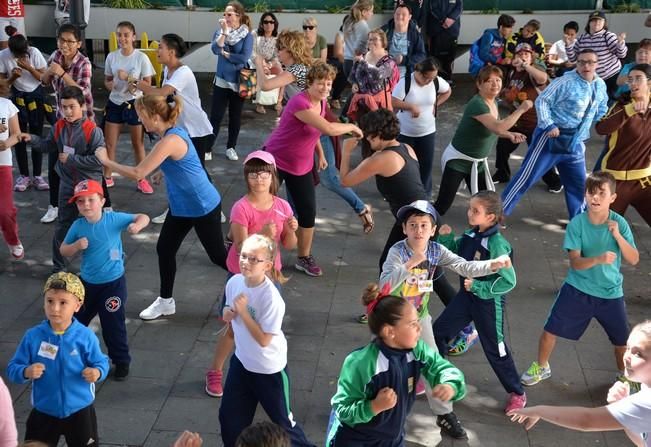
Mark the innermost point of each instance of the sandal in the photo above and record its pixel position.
(261, 110)
(367, 219)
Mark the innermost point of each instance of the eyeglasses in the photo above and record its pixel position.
(268, 22)
(66, 42)
(584, 62)
(374, 39)
(251, 259)
(264, 175)
(229, 14)
(636, 80)
(308, 27)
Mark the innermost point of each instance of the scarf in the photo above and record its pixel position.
(236, 35)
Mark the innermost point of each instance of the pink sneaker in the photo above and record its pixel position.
(144, 187)
(22, 183)
(110, 183)
(420, 387)
(515, 402)
(214, 383)
(40, 183)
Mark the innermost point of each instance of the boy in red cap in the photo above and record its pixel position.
(97, 236)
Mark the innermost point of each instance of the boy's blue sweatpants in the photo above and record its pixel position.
(537, 161)
(488, 316)
(243, 391)
(108, 300)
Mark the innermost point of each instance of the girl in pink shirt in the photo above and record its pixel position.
(259, 211)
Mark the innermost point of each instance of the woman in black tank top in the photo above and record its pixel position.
(397, 177)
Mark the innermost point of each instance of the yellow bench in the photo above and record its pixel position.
(150, 48)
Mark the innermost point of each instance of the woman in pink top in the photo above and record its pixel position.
(293, 144)
(259, 211)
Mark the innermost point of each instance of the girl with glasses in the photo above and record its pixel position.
(259, 211)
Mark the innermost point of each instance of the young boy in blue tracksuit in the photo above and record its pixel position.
(62, 359)
(489, 48)
(97, 235)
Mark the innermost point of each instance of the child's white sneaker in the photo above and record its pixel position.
(159, 308)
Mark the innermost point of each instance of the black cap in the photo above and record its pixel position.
(597, 15)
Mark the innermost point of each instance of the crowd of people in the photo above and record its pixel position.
(400, 74)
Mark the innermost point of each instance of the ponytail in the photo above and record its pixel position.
(159, 105)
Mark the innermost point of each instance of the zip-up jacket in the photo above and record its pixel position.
(475, 245)
(536, 41)
(404, 282)
(61, 390)
(373, 367)
(440, 10)
(416, 49)
(568, 99)
(85, 138)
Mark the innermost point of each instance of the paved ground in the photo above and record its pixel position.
(164, 393)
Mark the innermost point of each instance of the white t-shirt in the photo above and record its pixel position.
(425, 98)
(634, 413)
(7, 110)
(267, 308)
(193, 119)
(558, 48)
(26, 82)
(137, 65)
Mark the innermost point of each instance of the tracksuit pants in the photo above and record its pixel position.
(108, 300)
(571, 168)
(79, 429)
(243, 391)
(488, 316)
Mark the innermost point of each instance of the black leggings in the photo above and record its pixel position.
(222, 98)
(450, 181)
(303, 196)
(209, 231)
(203, 145)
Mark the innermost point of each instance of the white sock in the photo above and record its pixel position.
(166, 300)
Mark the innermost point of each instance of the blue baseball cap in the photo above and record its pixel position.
(420, 206)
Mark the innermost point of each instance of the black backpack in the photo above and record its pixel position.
(436, 89)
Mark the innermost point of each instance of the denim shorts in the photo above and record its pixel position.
(124, 113)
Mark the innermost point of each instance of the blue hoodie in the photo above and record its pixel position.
(61, 390)
(489, 48)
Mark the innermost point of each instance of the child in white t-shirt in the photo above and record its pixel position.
(257, 372)
(557, 56)
(9, 136)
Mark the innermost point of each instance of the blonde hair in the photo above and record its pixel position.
(645, 329)
(357, 10)
(157, 105)
(382, 35)
(260, 241)
(310, 21)
(294, 43)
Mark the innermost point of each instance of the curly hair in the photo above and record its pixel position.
(294, 43)
(381, 123)
(320, 70)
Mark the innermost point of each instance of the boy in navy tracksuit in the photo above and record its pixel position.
(97, 235)
(75, 138)
(63, 360)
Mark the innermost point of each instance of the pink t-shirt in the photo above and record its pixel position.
(292, 143)
(244, 214)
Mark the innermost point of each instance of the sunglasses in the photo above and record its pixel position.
(308, 27)
(268, 22)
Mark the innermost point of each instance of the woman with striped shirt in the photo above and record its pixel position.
(608, 46)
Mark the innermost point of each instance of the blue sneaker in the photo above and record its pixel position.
(463, 342)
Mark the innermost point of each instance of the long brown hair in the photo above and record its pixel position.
(239, 10)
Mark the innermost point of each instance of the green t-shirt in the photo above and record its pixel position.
(471, 137)
(320, 44)
(603, 280)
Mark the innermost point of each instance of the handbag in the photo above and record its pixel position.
(563, 143)
(248, 83)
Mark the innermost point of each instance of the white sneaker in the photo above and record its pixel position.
(231, 154)
(160, 219)
(223, 217)
(159, 308)
(207, 156)
(17, 251)
(51, 214)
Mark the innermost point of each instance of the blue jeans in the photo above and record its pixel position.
(330, 177)
(424, 149)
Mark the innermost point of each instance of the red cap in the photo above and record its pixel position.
(87, 188)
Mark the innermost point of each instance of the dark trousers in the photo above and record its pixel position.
(109, 301)
(450, 181)
(221, 99)
(488, 316)
(443, 47)
(174, 230)
(79, 429)
(340, 82)
(203, 145)
(243, 391)
(424, 149)
(31, 116)
(503, 171)
(302, 196)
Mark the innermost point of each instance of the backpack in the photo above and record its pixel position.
(87, 127)
(476, 63)
(436, 89)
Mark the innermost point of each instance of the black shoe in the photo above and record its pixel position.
(451, 426)
(121, 372)
(498, 177)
